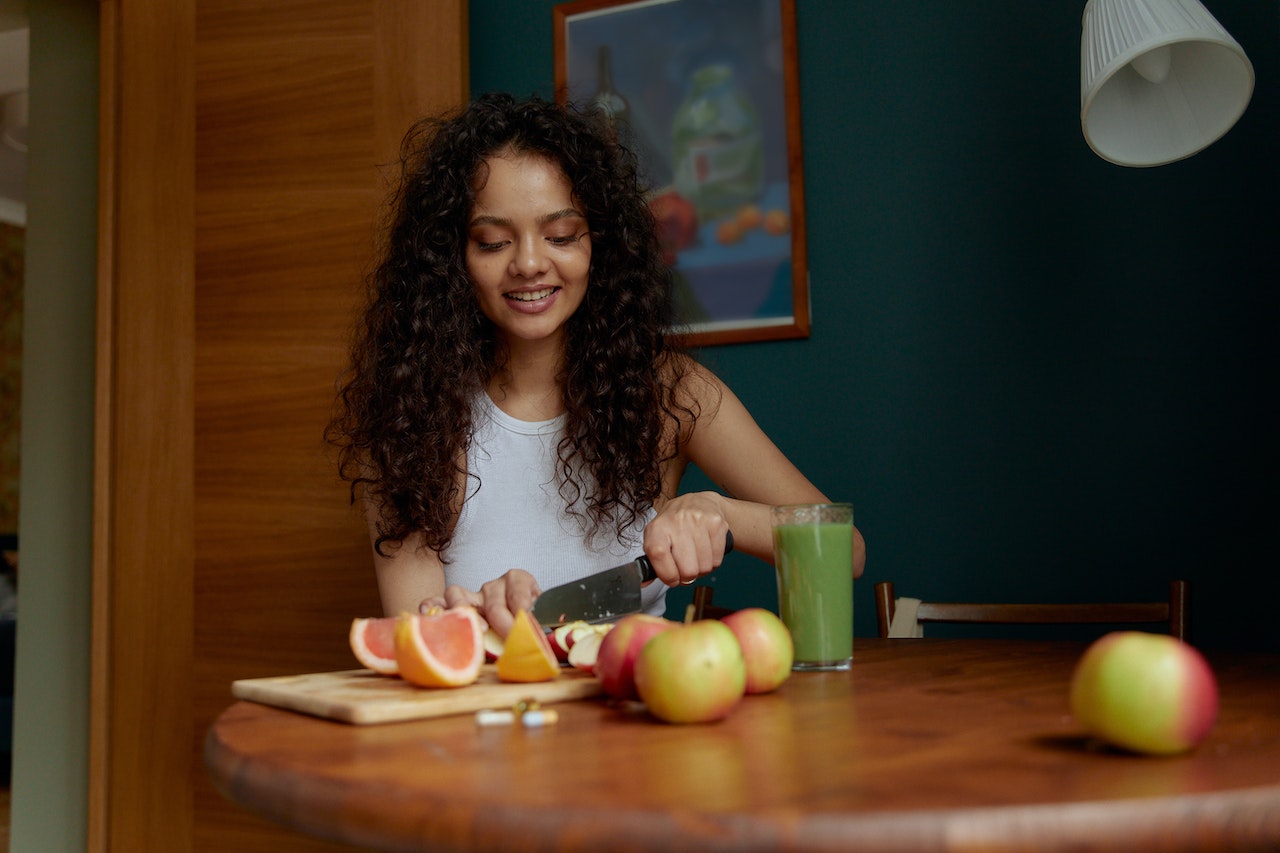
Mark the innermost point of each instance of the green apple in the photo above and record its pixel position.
(616, 658)
(1149, 693)
(692, 673)
(766, 647)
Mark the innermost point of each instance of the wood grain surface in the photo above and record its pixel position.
(139, 793)
(363, 697)
(300, 106)
(244, 153)
(929, 744)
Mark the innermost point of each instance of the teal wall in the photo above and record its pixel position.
(1034, 373)
(1013, 392)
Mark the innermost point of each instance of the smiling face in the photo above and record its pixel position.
(528, 248)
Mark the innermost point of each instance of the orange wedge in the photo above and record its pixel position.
(526, 655)
(443, 649)
(373, 641)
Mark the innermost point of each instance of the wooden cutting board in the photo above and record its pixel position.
(361, 696)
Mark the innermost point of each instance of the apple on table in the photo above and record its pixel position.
(619, 649)
(692, 673)
(767, 647)
(1147, 693)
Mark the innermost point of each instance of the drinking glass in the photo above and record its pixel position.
(813, 553)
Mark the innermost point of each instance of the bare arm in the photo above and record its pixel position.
(409, 574)
(412, 578)
(729, 446)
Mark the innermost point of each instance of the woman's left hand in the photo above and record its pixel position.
(497, 601)
(686, 540)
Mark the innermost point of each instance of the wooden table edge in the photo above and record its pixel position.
(1244, 819)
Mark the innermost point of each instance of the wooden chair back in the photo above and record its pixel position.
(702, 606)
(1174, 612)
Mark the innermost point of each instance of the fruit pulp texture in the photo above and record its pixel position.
(815, 589)
(380, 636)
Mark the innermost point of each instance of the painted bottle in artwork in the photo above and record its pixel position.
(608, 99)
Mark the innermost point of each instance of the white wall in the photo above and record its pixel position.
(51, 715)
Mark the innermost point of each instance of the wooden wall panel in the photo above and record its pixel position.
(298, 106)
(244, 148)
(282, 217)
(141, 725)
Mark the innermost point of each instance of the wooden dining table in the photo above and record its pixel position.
(924, 744)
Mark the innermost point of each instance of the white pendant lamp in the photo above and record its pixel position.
(1159, 80)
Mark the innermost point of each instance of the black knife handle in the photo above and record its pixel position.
(646, 568)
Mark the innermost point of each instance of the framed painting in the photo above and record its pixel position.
(706, 93)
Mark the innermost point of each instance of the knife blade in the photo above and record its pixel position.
(602, 597)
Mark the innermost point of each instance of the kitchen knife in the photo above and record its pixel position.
(602, 597)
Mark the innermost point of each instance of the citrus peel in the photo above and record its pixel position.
(526, 655)
(373, 642)
(444, 649)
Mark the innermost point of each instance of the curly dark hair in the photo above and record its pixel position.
(424, 349)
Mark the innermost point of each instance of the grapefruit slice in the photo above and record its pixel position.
(444, 649)
(526, 655)
(373, 641)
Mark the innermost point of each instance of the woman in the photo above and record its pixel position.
(515, 416)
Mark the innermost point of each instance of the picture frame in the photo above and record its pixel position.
(707, 95)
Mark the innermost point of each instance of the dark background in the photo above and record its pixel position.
(1035, 374)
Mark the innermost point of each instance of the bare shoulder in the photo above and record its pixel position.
(695, 388)
(714, 422)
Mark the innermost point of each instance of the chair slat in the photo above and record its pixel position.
(1174, 613)
(1048, 613)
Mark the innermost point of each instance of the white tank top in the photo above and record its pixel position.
(514, 517)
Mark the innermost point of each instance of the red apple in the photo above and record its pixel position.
(766, 647)
(616, 660)
(692, 673)
(1143, 692)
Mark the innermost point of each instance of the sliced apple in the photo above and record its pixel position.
(585, 650)
(580, 631)
(562, 638)
(492, 645)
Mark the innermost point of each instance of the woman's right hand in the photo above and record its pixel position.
(498, 600)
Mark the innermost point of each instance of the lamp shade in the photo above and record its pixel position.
(1159, 80)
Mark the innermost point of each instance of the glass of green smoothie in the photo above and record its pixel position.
(813, 553)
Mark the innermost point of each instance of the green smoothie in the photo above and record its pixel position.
(815, 591)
